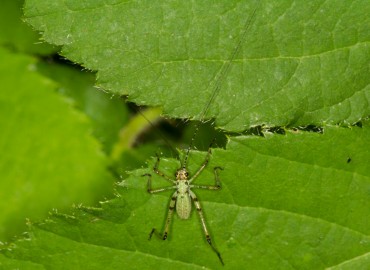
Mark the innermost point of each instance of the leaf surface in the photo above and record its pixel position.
(107, 114)
(293, 202)
(300, 63)
(16, 34)
(49, 158)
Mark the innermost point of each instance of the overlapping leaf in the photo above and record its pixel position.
(48, 156)
(16, 34)
(300, 63)
(294, 201)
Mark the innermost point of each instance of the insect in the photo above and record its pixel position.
(183, 197)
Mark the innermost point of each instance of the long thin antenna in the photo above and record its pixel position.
(159, 131)
(221, 74)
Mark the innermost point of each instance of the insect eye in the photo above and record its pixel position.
(187, 174)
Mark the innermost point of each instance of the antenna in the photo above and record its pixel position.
(160, 133)
(223, 71)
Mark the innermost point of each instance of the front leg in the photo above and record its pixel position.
(149, 185)
(217, 185)
(157, 171)
(203, 165)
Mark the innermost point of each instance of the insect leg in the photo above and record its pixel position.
(168, 219)
(217, 186)
(149, 185)
(155, 169)
(203, 165)
(203, 221)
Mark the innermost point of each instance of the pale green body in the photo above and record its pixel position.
(183, 197)
(183, 201)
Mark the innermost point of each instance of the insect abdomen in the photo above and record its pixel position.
(183, 202)
(183, 206)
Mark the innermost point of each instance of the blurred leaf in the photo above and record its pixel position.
(108, 114)
(361, 262)
(16, 34)
(6, 263)
(288, 202)
(49, 158)
(129, 134)
(301, 63)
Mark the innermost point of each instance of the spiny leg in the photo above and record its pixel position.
(168, 219)
(149, 185)
(155, 169)
(210, 187)
(204, 163)
(202, 219)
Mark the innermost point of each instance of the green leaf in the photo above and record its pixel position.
(16, 34)
(107, 114)
(299, 200)
(129, 134)
(300, 63)
(291, 201)
(6, 263)
(49, 158)
(355, 263)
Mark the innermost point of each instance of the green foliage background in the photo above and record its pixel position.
(297, 197)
